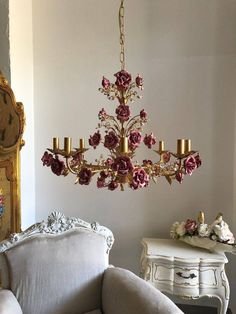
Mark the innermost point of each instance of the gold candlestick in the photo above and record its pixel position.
(161, 146)
(201, 217)
(81, 143)
(180, 146)
(55, 142)
(67, 145)
(124, 146)
(187, 146)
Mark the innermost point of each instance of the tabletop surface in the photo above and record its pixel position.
(181, 250)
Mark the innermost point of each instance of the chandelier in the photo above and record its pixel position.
(121, 136)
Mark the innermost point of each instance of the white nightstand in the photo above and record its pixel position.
(185, 271)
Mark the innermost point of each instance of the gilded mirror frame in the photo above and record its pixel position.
(12, 121)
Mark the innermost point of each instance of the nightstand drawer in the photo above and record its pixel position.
(177, 275)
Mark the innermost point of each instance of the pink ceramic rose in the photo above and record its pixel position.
(47, 159)
(190, 165)
(112, 185)
(109, 162)
(139, 81)
(166, 156)
(143, 114)
(111, 140)
(57, 166)
(123, 79)
(179, 176)
(123, 113)
(135, 139)
(100, 183)
(190, 226)
(140, 179)
(149, 140)
(198, 160)
(95, 139)
(102, 115)
(122, 165)
(105, 83)
(85, 176)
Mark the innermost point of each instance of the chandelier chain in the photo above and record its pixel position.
(122, 34)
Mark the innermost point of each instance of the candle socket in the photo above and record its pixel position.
(187, 146)
(124, 146)
(161, 146)
(55, 142)
(67, 145)
(201, 217)
(81, 143)
(180, 147)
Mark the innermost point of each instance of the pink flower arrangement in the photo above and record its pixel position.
(192, 231)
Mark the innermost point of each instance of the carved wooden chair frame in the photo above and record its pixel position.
(57, 223)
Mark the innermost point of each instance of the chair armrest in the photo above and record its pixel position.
(124, 292)
(8, 303)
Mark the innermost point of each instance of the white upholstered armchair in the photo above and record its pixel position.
(61, 267)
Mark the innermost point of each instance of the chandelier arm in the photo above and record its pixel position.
(69, 167)
(122, 35)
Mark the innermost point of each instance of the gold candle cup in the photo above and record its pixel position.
(201, 217)
(161, 146)
(55, 142)
(81, 143)
(67, 145)
(180, 146)
(124, 145)
(188, 146)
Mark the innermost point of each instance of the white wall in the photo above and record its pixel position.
(4, 39)
(21, 53)
(186, 51)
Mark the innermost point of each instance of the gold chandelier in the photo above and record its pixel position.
(122, 136)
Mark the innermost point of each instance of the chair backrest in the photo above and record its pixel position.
(57, 266)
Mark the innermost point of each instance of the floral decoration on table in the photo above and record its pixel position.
(215, 236)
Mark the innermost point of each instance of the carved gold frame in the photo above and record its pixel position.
(10, 220)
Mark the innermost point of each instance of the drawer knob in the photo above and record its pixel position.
(191, 276)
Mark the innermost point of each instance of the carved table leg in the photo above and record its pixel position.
(223, 292)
